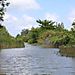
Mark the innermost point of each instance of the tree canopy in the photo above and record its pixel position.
(46, 24)
(3, 5)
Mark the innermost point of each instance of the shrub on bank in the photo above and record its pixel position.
(7, 41)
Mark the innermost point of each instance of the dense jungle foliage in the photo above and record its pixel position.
(50, 34)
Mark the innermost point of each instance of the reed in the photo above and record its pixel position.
(67, 51)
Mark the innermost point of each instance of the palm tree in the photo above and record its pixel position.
(60, 26)
(46, 24)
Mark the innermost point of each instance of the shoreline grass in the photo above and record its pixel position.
(67, 51)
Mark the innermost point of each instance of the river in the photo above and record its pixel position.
(34, 60)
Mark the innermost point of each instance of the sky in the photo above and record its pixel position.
(22, 14)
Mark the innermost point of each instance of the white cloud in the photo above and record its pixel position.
(28, 18)
(28, 21)
(16, 24)
(51, 16)
(24, 4)
(10, 17)
(71, 17)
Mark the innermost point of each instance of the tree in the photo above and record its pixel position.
(60, 26)
(33, 35)
(24, 32)
(73, 24)
(46, 24)
(73, 28)
(3, 5)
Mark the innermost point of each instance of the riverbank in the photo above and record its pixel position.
(15, 45)
(68, 51)
(8, 41)
(1, 73)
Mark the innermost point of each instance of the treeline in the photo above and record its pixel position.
(7, 41)
(49, 34)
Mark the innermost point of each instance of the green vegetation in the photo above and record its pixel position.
(7, 41)
(50, 34)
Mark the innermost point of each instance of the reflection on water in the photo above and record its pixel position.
(33, 60)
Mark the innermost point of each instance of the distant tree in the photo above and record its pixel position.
(18, 35)
(24, 32)
(3, 5)
(46, 24)
(73, 28)
(73, 24)
(60, 26)
(33, 35)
